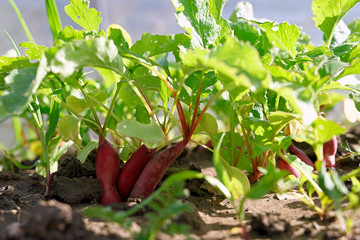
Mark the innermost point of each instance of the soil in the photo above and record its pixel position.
(26, 214)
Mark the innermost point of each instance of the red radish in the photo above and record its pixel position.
(284, 165)
(329, 151)
(300, 154)
(107, 165)
(132, 170)
(155, 170)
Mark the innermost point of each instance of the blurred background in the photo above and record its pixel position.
(137, 17)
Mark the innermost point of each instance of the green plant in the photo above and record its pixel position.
(259, 79)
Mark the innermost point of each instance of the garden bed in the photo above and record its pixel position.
(74, 188)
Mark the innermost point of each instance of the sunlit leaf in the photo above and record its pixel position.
(69, 33)
(79, 12)
(151, 134)
(33, 51)
(98, 52)
(69, 129)
(283, 36)
(328, 13)
(194, 16)
(150, 45)
(266, 183)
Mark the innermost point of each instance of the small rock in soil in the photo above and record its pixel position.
(269, 223)
(51, 220)
(76, 190)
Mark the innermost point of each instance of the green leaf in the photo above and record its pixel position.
(69, 129)
(331, 184)
(279, 119)
(352, 54)
(98, 52)
(216, 9)
(209, 124)
(299, 97)
(83, 153)
(283, 36)
(23, 85)
(33, 51)
(53, 120)
(141, 114)
(53, 18)
(236, 63)
(151, 134)
(356, 98)
(324, 130)
(120, 37)
(354, 68)
(328, 13)
(79, 12)
(233, 178)
(10, 63)
(239, 182)
(69, 33)
(218, 164)
(150, 45)
(194, 16)
(77, 104)
(266, 183)
(193, 81)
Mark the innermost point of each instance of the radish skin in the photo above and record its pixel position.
(284, 165)
(329, 152)
(155, 170)
(300, 154)
(132, 170)
(107, 165)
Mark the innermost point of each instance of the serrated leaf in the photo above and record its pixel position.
(194, 16)
(10, 63)
(79, 12)
(151, 134)
(238, 64)
(283, 36)
(216, 9)
(22, 85)
(69, 129)
(150, 45)
(69, 33)
(33, 51)
(328, 13)
(120, 36)
(98, 52)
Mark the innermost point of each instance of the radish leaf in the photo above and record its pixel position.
(328, 13)
(79, 12)
(151, 134)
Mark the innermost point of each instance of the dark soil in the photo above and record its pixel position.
(26, 214)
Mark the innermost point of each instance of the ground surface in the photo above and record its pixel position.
(26, 214)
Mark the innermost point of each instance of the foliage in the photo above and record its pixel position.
(248, 86)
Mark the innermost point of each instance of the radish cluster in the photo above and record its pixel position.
(139, 176)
